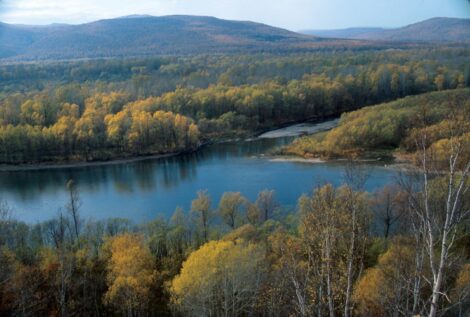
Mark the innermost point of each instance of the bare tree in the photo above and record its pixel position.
(57, 230)
(266, 203)
(5, 220)
(230, 207)
(201, 207)
(440, 206)
(388, 205)
(356, 177)
(295, 265)
(73, 207)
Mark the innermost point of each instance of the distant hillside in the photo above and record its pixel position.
(432, 30)
(145, 35)
(349, 33)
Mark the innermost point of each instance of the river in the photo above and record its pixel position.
(143, 190)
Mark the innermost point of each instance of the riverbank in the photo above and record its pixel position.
(365, 157)
(297, 160)
(148, 189)
(289, 131)
(394, 161)
(58, 165)
(300, 129)
(317, 160)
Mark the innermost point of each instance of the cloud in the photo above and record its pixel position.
(292, 14)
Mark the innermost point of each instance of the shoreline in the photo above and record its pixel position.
(392, 162)
(300, 129)
(319, 160)
(284, 159)
(59, 165)
(124, 160)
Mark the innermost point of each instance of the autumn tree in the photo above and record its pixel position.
(222, 278)
(179, 235)
(334, 227)
(292, 274)
(117, 128)
(130, 274)
(201, 209)
(230, 208)
(461, 291)
(387, 289)
(440, 204)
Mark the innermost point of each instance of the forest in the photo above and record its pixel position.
(402, 250)
(85, 111)
(392, 128)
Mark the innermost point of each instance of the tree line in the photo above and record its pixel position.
(48, 132)
(156, 75)
(399, 251)
(75, 122)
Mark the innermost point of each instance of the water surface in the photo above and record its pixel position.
(144, 189)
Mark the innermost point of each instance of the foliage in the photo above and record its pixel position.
(130, 274)
(101, 110)
(221, 278)
(395, 125)
(332, 263)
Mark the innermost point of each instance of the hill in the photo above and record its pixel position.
(349, 33)
(432, 30)
(392, 126)
(145, 35)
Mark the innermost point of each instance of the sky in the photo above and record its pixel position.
(290, 14)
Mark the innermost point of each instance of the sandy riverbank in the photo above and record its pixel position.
(297, 160)
(300, 129)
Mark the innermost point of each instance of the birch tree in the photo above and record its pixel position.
(441, 204)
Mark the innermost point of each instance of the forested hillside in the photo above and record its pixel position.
(395, 126)
(150, 36)
(96, 111)
(432, 30)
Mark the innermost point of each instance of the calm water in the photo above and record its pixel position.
(142, 190)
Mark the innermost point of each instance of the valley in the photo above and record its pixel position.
(189, 165)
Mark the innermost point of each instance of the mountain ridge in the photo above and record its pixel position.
(141, 36)
(438, 29)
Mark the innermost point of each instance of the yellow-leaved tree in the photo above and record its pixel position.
(130, 274)
(392, 285)
(222, 278)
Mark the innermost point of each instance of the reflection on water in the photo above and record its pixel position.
(141, 190)
(143, 175)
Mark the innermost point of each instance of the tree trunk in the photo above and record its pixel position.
(329, 291)
(350, 258)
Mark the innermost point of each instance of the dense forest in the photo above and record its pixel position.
(400, 251)
(394, 126)
(403, 250)
(102, 110)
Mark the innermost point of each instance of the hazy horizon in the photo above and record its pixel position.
(293, 15)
